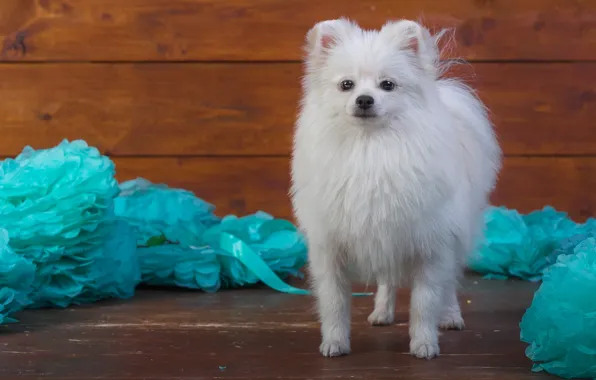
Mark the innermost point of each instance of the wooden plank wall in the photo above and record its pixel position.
(202, 94)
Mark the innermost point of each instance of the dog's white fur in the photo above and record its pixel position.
(398, 197)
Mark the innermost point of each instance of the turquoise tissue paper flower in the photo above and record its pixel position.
(176, 265)
(524, 246)
(560, 325)
(179, 239)
(16, 278)
(109, 269)
(56, 208)
(156, 210)
(276, 241)
(170, 224)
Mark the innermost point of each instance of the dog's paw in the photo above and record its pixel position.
(424, 349)
(334, 348)
(452, 322)
(381, 318)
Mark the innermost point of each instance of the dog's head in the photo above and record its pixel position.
(370, 75)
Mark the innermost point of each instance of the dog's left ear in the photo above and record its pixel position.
(409, 35)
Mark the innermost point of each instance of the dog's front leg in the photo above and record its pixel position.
(333, 292)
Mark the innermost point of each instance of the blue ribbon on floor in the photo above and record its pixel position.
(235, 247)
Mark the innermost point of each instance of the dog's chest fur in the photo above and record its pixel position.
(376, 196)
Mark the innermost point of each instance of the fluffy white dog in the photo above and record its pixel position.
(392, 168)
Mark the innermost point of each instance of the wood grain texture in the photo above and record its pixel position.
(246, 185)
(97, 30)
(260, 334)
(249, 109)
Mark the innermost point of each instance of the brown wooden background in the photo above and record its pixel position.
(202, 94)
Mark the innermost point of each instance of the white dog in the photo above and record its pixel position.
(391, 171)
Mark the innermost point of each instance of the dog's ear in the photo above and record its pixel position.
(326, 34)
(409, 35)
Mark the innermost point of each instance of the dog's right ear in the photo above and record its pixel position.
(326, 34)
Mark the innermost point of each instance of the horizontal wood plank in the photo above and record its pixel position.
(246, 185)
(38, 30)
(249, 109)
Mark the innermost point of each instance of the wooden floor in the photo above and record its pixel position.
(258, 334)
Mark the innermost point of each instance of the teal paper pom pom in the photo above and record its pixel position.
(524, 246)
(185, 267)
(56, 207)
(158, 211)
(276, 241)
(170, 224)
(109, 269)
(16, 277)
(179, 239)
(560, 325)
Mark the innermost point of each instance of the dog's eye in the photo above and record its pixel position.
(387, 85)
(346, 85)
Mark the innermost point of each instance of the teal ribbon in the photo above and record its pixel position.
(235, 247)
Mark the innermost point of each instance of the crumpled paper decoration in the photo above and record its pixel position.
(560, 325)
(275, 241)
(170, 224)
(17, 272)
(56, 216)
(184, 267)
(524, 246)
(109, 269)
(156, 210)
(179, 239)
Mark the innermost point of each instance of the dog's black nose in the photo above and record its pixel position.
(365, 101)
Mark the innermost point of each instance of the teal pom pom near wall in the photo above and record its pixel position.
(523, 246)
(179, 239)
(60, 244)
(16, 279)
